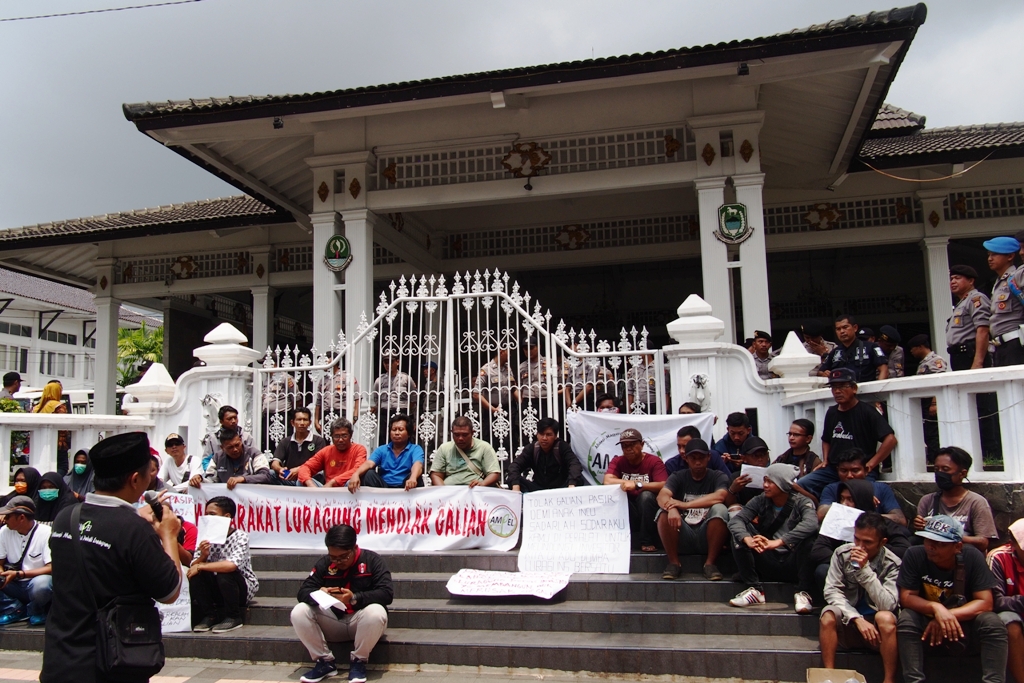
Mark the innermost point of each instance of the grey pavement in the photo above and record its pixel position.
(17, 667)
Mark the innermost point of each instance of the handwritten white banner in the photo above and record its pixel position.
(580, 530)
(431, 518)
(479, 583)
(595, 436)
(839, 522)
(177, 616)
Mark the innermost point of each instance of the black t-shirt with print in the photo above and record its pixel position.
(684, 487)
(859, 427)
(935, 584)
(123, 557)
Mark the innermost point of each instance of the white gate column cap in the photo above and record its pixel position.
(695, 322)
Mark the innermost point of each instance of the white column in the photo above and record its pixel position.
(753, 256)
(105, 392)
(936, 269)
(326, 302)
(714, 255)
(263, 317)
(359, 274)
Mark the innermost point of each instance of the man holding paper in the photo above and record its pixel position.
(221, 578)
(343, 598)
(862, 596)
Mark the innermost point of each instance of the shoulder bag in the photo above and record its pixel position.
(129, 644)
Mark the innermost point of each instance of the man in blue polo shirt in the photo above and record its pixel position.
(850, 465)
(397, 464)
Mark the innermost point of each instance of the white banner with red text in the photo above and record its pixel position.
(595, 436)
(425, 519)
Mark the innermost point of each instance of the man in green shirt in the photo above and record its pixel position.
(464, 460)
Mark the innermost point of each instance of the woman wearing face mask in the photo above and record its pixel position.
(26, 481)
(967, 507)
(52, 497)
(79, 480)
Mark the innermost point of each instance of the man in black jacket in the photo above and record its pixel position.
(552, 460)
(359, 583)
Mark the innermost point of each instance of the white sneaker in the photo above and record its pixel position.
(749, 597)
(804, 604)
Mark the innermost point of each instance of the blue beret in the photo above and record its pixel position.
(1002, 245)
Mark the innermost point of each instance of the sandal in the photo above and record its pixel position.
(649, 548)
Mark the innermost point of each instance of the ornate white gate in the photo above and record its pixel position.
(478, 348)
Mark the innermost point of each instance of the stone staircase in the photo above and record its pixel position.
(601, 623)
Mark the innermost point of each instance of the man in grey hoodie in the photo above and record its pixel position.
(778, 543)
(862, 596)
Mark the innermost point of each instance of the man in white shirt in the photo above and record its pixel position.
(176, 468)
(25, 555)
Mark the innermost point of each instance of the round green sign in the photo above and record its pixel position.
(338, 253)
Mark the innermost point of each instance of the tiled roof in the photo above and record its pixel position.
(895, 121)
(240, 206)
(841, 32)
(996, 137)
(57, 294)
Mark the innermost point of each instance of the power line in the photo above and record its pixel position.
(100, 11)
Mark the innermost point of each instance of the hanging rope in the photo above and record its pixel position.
(940, 421)
(927, 180)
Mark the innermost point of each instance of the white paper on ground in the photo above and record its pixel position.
(213, 529)
(477, 582)
(756, 475)
(326, 601)
(839, 521)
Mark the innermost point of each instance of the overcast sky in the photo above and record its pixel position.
(66, 150)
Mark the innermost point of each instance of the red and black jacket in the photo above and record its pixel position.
(368, 578)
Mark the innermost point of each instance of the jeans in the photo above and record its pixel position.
(36, 593)
(373, 479)
(780, 564)
(216, 594)
(985, 634)
(642, 508)
(816, 481)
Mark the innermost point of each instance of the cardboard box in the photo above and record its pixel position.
(834, 675)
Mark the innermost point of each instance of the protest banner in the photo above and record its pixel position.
(425, 519)
(177, 616)
(480, 583)
(579, 530)
(595, 436)
(183, 506)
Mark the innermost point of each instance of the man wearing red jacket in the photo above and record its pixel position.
(338, 462)
(359, 584)
(1007, 564)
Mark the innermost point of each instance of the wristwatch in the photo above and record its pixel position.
(638, 485)
(352, 602)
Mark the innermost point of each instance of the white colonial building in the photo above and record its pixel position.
(602, 187)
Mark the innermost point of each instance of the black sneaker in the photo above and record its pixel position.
(357, 670)
(205, 625)
(228, 624)
(672, 572)
(324, 669)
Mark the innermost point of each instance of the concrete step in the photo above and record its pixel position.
(449, 562)
(632, 588)
(774, 619)
(778, 658)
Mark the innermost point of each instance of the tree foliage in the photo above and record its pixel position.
(136, 348)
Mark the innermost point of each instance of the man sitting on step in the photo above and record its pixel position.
(641, 475)
(342, 599)
(465, 460)
(862, 596)
(699, 492)
(771, 537)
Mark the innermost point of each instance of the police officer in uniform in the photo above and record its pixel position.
(889, 341)
(126, 553)
(1007, 312)
(864, 358)
(967, 328)
(929, 362)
